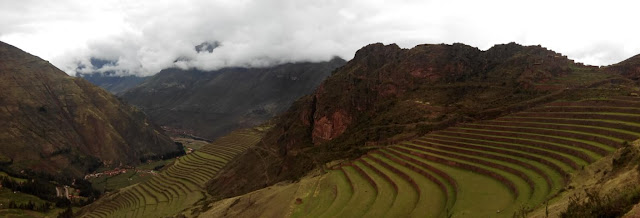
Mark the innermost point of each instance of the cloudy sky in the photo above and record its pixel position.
(145, 36)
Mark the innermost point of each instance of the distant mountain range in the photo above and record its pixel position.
(65, 126)
(213, 103)
(113, 83)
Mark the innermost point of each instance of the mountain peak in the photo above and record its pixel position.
(377, 49)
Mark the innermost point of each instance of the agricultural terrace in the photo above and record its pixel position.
(490, 168)
(179, 186)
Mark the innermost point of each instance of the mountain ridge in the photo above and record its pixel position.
(113, 83)
(391, 94)
(71, 126)
(210, 104)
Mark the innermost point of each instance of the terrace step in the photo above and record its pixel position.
(387, 189)
(523, 162)
(606, 143)
(594, 150)
(343, 193)
(597, 130)
(596, 102)
(635, 118)
(197, 176)
(432, 198)
(461, 164)
(146, 197)
(587, 109)
(172, 195)
(633, 128)
(363, 196)
(627, 98)
(320, 200)
(174, 182)
(537, 189)
(186, 178)
(567, 160)
(549, 162)
(406, 194)
(212, 164)
(161, 193)
(580, 156)
(476, 192)
(446, 183)
(554, 177)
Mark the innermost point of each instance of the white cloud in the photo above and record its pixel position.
(146, 36)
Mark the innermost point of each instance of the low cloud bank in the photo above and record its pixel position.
(144, 37)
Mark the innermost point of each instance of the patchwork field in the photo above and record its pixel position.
(177, 187)
(491, 168)
(133, 176)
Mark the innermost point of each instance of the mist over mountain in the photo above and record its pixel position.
(147, 36)
(212, 103)
(113, 83)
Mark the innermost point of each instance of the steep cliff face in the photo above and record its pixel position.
(213, 103)
(386, 94)
(57, 124)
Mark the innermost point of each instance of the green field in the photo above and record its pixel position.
(7, 195)
(110, 183)
(17, 213)
(3, 174)
(190, 142)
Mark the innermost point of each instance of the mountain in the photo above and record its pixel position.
(65, 126)
(213, 103)
(99, 74)
(113, 83)
(629, 68)
(387, 94)
(415, 133)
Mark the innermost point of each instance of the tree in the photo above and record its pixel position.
(68, 213)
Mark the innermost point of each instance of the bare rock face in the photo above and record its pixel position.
(329, 127)
(57, 124)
